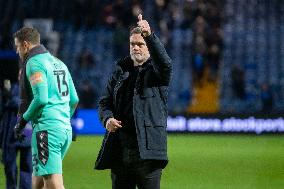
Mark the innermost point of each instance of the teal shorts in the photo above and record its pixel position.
(49, 147)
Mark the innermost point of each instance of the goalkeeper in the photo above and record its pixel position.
(48, 99)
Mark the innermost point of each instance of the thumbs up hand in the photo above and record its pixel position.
(144, 25)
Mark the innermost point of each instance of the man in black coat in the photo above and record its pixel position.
(133, 109)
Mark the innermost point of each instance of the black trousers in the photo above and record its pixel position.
(132, 172)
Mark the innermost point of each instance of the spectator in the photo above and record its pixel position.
(238, 82)
(88, 95)
(198, 59)
(266, 98)
(86, 74)
(213, 58)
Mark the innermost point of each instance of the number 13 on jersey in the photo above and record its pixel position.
(61, 82)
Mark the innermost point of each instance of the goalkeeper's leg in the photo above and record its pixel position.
(37, 182)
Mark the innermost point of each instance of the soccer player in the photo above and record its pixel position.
(48, 99)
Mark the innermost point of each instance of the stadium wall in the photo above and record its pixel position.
(87, 122)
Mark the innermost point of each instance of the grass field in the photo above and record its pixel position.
(197, 161)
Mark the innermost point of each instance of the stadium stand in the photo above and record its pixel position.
(253, 42)
(232, 65)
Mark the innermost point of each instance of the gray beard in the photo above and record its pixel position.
(139, 62)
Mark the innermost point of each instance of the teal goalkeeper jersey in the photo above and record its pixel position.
(54, 95)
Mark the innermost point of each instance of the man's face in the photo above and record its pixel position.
(21, 48)
(138, 50)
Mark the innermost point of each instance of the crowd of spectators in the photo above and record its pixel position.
(207, 41)
(202, 17)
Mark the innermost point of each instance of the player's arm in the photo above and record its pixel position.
(36, 75)
(74, 100)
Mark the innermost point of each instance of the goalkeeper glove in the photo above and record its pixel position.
(19, 127)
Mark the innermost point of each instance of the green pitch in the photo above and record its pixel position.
(197, 161)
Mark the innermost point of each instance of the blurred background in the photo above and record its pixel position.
(228, 77)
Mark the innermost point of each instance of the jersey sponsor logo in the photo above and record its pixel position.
(36, 78)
